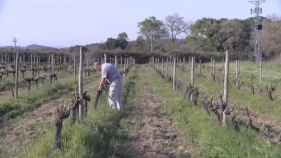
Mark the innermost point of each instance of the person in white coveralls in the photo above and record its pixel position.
(111, 74)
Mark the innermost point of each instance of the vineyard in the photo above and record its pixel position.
(173, 107)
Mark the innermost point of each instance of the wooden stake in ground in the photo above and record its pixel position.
(166, 66)
(80, 82)
(17, 75)
(214, 67)
(225, 88)
(87, 62)
(157, 65)
(192, 77)
(212, 64)
(121, 62)
(74, 66)
(174, 75)
(53, 62)
(192, 71)
(237, 73)
(261, 70)
(125, 67)
(162, 64)
(104, 58)
(116, 60)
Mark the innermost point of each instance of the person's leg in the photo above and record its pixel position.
(119, 97)
(113, 94)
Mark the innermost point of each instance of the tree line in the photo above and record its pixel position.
(206, 35)
(176, 36)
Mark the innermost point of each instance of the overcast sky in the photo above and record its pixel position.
(71, 22)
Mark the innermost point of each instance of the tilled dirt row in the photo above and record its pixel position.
(156, 134)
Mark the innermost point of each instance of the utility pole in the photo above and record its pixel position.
(15, 42)
(258, 26)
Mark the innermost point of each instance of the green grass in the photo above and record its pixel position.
(98, 136)
(86, 138)
(204, 135)
(259, 103)
(95, 136)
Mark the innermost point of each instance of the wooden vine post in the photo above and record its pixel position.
(74, 66)
(223, 65)
(104, 58)
(237, 73)
(17, 75)
(174, 75)
(121, 62)
(116, 61)
(6, 60)
(162, 64)
(124, 67)
(157, 63)
(261, 70)
(87, 62)
(212, 64)
(127, 62)
(80, 83)
(192, 76)
(53, 62)
(31, 64)
(166, 66)
(225, 88)
(64, 59)
(214, 67)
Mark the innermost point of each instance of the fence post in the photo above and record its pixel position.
(174, 75)
(225, 90)
(74, 66)
(17, 75)
(167, 60)
(104, 58)
(214, 66)
(192, 76)
(237, 73)
(80, 83)
(260, 70)
(116, 60)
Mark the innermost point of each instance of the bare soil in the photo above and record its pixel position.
(156, 134)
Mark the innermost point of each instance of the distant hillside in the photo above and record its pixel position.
(29, 47)
(38, 47)
(10, 48)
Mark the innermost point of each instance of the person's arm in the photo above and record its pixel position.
(102, 83)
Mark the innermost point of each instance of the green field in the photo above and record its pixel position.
(156, 122)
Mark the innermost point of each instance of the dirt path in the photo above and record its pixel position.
(151, 133)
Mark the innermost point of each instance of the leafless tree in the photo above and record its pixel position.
(176, 26)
